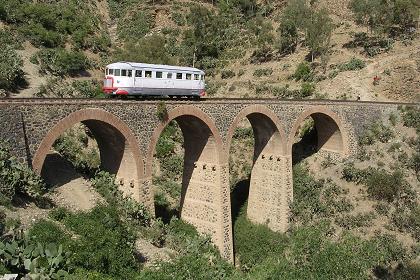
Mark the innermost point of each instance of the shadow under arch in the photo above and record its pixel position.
(331, 135)
(270, 182)
(119, 149)
(204, 182)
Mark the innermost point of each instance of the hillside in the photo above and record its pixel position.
(244, 35)
(353, 218)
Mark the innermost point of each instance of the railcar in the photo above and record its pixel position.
(141, 79)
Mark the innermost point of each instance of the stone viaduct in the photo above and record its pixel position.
(127, 133)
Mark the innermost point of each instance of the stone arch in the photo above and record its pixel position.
(205, 194)
(267, 128)
(332, 135)
(270, 183)
(118, 146)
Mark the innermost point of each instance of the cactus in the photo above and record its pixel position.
(39, 261)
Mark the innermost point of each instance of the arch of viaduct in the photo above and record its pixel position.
(127, 134)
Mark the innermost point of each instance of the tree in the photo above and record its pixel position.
(318, 32)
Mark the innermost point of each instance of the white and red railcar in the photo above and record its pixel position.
(141, 79)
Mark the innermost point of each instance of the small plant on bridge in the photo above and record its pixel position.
(161, 111)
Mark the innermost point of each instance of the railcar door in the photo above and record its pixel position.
(138, 80)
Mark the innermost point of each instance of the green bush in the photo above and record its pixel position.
(101, 231)
(73, 145)
(353, 64)
(377, 131)
(131, 211)
(16, 177)
(227, 74)
(411, 117)
(303, 72)
(11, 73)
(307, 89)
(255, 242)
(173, 166)
(136, 25)
(161, 111)
(385, 186)
(263, 72)
(355, 221)
(60, 62)
(261, 55)
(408, 220)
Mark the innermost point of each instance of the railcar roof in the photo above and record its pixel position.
(121, 64)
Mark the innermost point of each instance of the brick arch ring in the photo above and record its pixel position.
(320, 110)
(84, 115)
(187, 110)
(261, 110)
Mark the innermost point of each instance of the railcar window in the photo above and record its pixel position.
(196, 77)
(169, 75)
(138, 73)
(129, 73)
(123, 72)
(148, 74)
(188, 76)
(202, 77)
(159, 75)
(117, 72)
(179, 76)
(110, 71)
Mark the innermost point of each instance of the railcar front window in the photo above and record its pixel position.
(188, 76)
(129, 73)
(117, 72)
(123, 72)
(148, 74)
(196, 77)
(169, 75)
(179, 76)
(110, 71)
(159, 75)
(138, 73)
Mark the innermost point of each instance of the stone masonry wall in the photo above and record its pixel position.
(24, 124)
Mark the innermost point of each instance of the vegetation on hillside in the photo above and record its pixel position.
(75, 39)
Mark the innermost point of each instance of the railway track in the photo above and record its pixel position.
(186, 101)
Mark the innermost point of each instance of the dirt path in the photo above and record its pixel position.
(32, 76)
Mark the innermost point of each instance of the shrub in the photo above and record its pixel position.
(131, 211)
(408, 220)
(263, 72)
(11, 73)
(411, 117)
(355, 221)
(353, 64)
(39, 261)
(376, 131)
(73, 145)
(101, 231)
(16, 177)
(254, 242)
(60, 62)
(173, 166)
(385, 186)
(303, 72)
(307, 89)
(137, 25)
(227, 74)
(262, 54)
